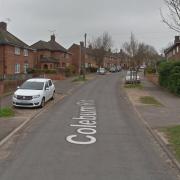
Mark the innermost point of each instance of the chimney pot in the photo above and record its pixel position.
(53, 37)
(177, 39)
(3, 26)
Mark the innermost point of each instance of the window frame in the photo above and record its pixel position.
(26, 52)
(17, 51)
(17, 68)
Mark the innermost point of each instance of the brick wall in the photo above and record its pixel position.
(11, 59)
(154, 78)
(1, 60)
(75, 51)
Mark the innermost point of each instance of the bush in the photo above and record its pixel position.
(169, 76)
(70, 71)
(91, 69)
(150, 70)
(41, 71)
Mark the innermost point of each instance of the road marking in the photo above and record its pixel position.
(85, 123)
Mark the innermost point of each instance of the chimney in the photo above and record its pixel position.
(53, 37)
(177, 39)
(3, 26)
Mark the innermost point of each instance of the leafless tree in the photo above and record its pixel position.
(139, 53)
(172, 19)
(131, 49)
(100, 46)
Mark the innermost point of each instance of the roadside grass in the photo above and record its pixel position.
(131, 86)
(149, 100)
(6, 112)
(79, 79)
(173, 135)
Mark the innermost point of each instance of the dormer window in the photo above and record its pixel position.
(17, 51)
(25, 52)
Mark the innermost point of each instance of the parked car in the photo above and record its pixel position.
(132, 77)
(34, 93)
(142, 67)
(101, 71)
(119, 68)
(112, 69)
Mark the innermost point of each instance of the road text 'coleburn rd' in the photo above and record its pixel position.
(85, 124)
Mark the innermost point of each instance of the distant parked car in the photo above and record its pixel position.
(132, 77)
(112, 69)
(34, 93)
(101, 71)
(119, 68)
(142, 67)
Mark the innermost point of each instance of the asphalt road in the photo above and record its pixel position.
(116, 145)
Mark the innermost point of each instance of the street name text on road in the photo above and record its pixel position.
(85, 124)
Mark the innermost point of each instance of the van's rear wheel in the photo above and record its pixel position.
(42, 103)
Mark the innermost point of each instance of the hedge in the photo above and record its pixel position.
(169, 76)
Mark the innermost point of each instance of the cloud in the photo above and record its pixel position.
(32, 20)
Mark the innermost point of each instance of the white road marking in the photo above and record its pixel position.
(86, 124)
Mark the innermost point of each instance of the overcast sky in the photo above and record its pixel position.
(32, 20)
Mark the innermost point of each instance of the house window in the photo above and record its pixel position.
(17, 51)
(26, 66)
(25, 52)
(17, 68)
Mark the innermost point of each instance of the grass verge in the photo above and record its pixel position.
(131, 86)
(149, 100)
(173, 135)
(6, 112)
(79, 79)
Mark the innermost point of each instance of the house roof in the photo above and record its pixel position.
(6, 38)
(166, 51)
(51, 45)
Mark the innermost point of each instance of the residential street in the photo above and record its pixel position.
(111, 143)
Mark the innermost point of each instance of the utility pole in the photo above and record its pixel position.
(84, 68)
(81, 59)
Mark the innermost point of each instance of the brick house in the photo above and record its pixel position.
(51, 55)
(15, 55)
(111, 60)
(173, 52)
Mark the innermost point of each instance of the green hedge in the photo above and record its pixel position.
(40, 71)
(70, 71)
(150, 70)
(169, 76)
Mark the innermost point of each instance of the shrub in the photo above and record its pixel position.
(41, 71)
(150, 70)
(169, 76)
(91, 69)
(164, 73)
(70, 71)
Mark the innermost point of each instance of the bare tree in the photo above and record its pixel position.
(139, 53)
(131, 49)
(172, 19)
(101, 45)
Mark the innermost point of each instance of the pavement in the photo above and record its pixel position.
(157, 117)
(116, 143)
